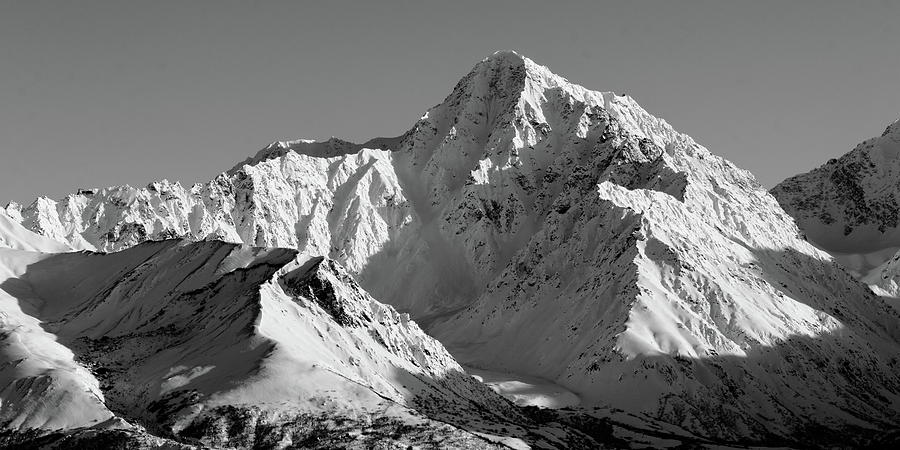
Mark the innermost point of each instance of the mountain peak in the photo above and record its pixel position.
(515, 62)
(507, 56)
(518, 69)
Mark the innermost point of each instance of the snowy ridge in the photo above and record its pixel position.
(167, 334)
(350, 204)
(326, 149)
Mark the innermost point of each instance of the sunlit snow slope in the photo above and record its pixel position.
(15, 236)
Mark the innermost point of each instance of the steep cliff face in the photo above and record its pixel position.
(538, 227)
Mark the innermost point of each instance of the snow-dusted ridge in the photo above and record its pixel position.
(331, 148)
(538, 227)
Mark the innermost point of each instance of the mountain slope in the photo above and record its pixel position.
(184, 339)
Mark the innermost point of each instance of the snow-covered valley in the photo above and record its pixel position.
(573, 251)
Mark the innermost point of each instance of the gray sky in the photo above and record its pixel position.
(96, 93)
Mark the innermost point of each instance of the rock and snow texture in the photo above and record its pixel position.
(623, 260)
(346, 206)
(538, 227)
(849, 207)
(850, 204)
(14, 235)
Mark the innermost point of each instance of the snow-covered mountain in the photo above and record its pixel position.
(849, 207)
(537, 227)
(627, 263)
(850, 204)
